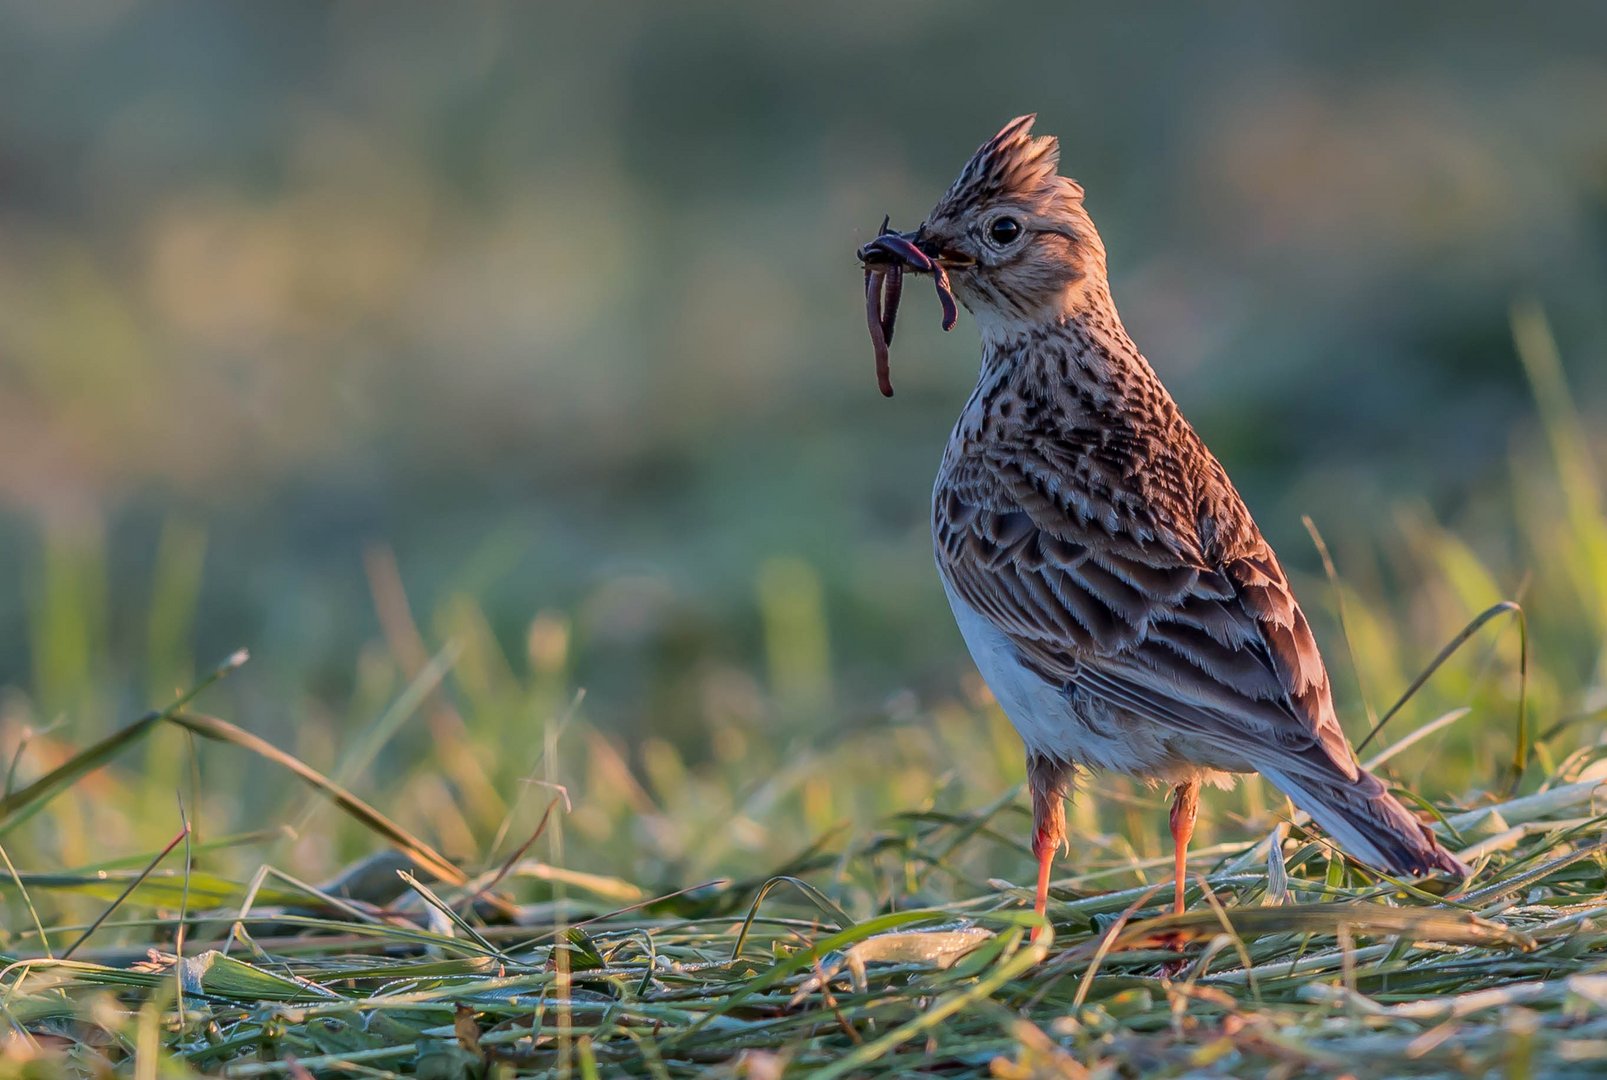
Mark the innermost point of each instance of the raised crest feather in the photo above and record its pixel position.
(1014, 163)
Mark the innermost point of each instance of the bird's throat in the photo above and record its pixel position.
(1080, 343)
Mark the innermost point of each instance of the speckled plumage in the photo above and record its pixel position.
(1108, 579)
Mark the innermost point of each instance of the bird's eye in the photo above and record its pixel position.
(1004, 230)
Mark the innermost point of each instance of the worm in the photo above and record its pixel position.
(893, 277)
(885, 259)
(881, 323)
(945, 296)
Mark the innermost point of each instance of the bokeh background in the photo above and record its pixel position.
(545, 318)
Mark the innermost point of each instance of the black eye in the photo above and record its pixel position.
(1004, 230)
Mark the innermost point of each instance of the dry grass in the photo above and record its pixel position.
(1292, 961)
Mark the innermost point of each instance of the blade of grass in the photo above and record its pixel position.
(184, 907)
(27, 902)
(362, 747)
(28, 736)
(814, 895)
(446, 911)
(519, 853)
(1332, 573)
(210, 727)
(1417, 735)
(132, 885)
(19, 806)
(149, 889)
(1449, 650)
(1424, 924)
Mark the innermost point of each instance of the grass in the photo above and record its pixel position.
(473, 879)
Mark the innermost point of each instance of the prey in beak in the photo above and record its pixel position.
(885, 259)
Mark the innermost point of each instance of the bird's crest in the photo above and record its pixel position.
(1012, 164)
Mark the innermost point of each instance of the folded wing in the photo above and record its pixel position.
(1094, 594)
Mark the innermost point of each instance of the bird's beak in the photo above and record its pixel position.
(946, 257)
(914, 250)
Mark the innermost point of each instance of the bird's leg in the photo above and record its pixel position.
(1047, 780)
(1185, 805)
(1043, 846)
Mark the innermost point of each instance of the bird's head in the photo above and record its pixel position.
(1013, 235)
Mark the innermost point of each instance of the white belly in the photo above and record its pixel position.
(1042, 713)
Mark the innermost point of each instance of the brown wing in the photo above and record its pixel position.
(1094, 591)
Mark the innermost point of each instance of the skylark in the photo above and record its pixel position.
(1106, 576)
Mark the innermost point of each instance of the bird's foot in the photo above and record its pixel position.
(1176, 942)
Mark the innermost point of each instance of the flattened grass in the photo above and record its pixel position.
(1290, 961)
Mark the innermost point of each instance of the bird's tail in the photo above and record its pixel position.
(1368, 822)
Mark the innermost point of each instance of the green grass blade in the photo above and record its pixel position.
(423, 854)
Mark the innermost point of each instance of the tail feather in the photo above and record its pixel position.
(1368, 823)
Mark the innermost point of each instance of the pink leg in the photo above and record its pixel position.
(1185, 806)
(1046, 859)
(1047, 781)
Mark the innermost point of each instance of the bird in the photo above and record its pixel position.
(1108, 579)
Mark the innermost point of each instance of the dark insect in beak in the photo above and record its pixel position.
(885, 259)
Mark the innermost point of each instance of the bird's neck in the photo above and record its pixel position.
(1080, 346)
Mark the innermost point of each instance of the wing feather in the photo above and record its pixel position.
(1094, 594)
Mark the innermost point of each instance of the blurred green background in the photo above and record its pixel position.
(556, 305)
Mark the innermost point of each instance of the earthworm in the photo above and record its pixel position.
(892, 289)
(881, 321)
(945, 296)
(885, 259)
